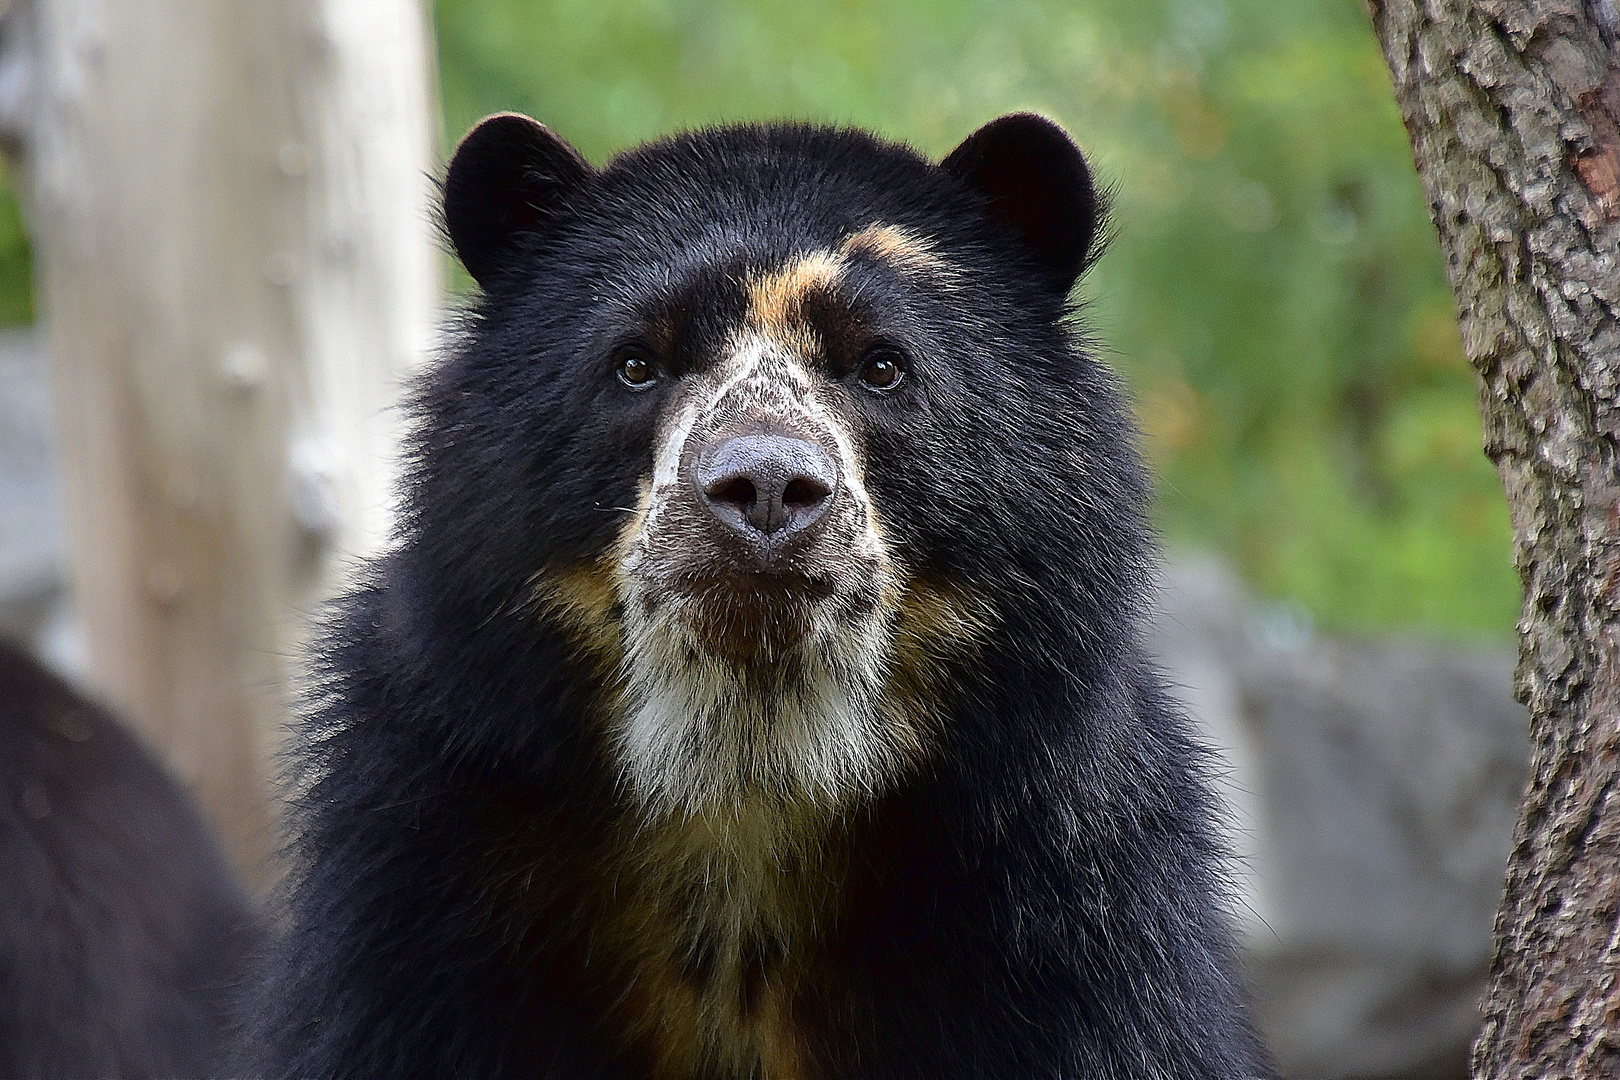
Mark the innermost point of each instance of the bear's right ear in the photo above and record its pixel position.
(506, 178)
(1036, 181)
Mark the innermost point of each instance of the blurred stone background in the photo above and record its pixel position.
(1373, 787)
(1373, 784)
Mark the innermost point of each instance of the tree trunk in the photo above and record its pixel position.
(235, 267)
(1513, 107)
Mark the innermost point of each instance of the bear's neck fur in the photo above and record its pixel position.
(715, 922)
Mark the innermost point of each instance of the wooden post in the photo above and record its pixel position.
(235, 267)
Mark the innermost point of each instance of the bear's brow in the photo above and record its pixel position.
(778, 299)
(899, 247)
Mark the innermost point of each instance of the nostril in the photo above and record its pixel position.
(804, 491)
(738, 491)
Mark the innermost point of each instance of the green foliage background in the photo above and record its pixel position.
(1274, 297)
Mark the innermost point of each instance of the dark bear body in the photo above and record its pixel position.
(123, 934)
(757, 689)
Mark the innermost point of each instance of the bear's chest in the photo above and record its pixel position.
(717, 927)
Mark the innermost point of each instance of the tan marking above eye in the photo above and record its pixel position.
(776, 299)
(897, 246)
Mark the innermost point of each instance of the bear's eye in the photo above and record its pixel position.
(636, 369)
(883, 367)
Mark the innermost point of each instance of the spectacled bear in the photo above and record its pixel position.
(123, 933)
(757, 686)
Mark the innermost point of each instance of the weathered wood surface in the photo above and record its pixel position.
(1513, 107)
(236, 266)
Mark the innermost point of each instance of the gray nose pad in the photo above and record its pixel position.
(761, 485)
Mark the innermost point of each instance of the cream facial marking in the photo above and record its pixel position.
(733, 689)
(899, 247)
(695, 727)
(775, 299)
(698, 730)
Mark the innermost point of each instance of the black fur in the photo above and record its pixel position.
(122, 931)
(1042, 898)
(1037, 182)
(511, 170)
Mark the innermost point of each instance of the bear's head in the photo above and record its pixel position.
(770, 424)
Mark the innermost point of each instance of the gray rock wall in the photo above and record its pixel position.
(1374, 788)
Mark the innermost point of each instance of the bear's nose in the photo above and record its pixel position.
(761, 485)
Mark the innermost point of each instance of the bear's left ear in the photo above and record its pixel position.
(508, 177)
(1037, 182)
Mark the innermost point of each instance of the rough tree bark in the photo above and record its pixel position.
(236, 265)
(1513, 107)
